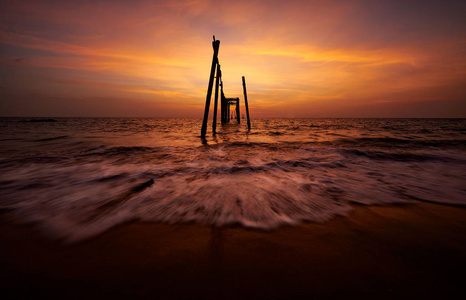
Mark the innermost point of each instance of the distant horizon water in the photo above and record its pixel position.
(32, 118)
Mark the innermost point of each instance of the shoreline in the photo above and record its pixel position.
(375, 251)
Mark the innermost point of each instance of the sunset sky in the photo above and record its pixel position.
(394, 58)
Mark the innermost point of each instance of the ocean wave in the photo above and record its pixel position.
(99, 173)
(78, 201)
(52, 138)
(105, 151)
(400, 157)
(411, 142)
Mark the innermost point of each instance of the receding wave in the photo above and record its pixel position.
(76, 202)
(52, 138)
(404, 157)
(117, 150)
(102, 172)
(396, 142)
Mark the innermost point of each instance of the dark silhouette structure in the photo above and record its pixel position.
(215, 45)
(246, 103)
(225, 103)
(229, 102)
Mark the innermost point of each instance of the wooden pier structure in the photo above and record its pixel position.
(226, 114)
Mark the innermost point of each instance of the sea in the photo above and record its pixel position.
(75, 178)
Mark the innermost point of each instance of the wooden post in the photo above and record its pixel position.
(237, 111)
(214, 121)
(222, 102)
(215, 45)
(246, 103)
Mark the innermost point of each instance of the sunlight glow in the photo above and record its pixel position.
(337, 54)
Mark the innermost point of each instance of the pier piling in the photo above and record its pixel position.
(246, 103)
(223, 105)
(237, 112)
(215, 45)
(217, 79)
(226, 114)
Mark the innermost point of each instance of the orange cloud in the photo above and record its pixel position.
(294, 54)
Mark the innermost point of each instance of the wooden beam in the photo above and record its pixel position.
(223, 103)
(215, 45)
(246, 103)
(237, 112)
(214, 121)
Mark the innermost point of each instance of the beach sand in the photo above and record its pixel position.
(378, 252)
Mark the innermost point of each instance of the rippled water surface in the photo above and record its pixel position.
(77, 177)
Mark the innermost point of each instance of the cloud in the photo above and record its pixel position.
(19, 60)
(294, 54)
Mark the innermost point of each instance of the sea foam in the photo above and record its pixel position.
(77, 187)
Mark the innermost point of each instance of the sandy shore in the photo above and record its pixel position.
(376, 252)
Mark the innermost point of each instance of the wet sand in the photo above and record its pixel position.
(376, 252)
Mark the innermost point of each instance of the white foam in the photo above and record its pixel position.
(255, 184)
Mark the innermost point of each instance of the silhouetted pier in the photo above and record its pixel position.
(225, 103)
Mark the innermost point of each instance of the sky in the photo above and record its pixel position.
(352, 58)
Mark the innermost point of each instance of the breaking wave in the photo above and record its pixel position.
(76, 187)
